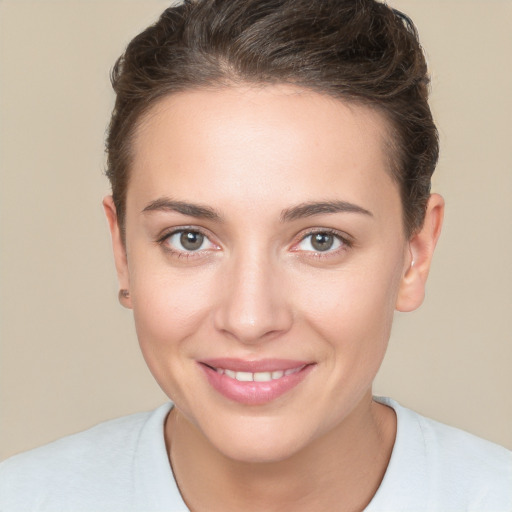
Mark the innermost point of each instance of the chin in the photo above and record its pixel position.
(261, 451)
(257, 440)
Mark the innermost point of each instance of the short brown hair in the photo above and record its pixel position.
(357, 50)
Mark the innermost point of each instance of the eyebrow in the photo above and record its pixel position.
(317, 208)
(190, 209)
(289, 214)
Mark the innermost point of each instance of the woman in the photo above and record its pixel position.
(270, 166)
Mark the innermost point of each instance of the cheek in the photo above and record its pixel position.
(353, 307)
(168, 306)
(168, 311)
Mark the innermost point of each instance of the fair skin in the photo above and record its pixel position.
(223, 259)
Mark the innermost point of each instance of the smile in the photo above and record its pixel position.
(254, 382)
(257, 376)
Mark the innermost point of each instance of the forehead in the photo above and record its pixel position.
(260, 147)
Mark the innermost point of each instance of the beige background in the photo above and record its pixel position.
(69, 356)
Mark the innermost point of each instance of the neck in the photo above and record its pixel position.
(340, 471)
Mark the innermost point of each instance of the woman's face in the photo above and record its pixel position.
(264, 256)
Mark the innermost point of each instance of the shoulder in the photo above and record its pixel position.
(462, 448)
(468, 466)
(78, 451)
(76, 469)
(448, 468)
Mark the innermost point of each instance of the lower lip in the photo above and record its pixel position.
(254, 393)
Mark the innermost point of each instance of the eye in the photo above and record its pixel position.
(321, 241)
(187, 240)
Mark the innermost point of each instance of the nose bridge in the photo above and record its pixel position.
(253, 304)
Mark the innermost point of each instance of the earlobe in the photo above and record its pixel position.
(119, 250)
(421, 250)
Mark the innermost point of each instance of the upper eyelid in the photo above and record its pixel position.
(166, 233)
(344, 237)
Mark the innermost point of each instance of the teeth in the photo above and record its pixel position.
(257, 376)
(244, 376)
(263, 376)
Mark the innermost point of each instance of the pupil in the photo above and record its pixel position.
(191, 240)
(322, 241)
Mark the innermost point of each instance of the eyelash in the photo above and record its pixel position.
(344, 240)
(184, 253)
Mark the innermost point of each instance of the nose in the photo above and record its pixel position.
(254, 303)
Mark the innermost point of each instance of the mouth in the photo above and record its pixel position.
(254, 382)
(257, 376)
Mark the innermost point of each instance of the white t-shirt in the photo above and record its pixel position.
(122, 465)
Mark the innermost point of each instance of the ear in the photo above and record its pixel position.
(421, 249)
(119, 249)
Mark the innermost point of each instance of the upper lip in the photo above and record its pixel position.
(261, 365)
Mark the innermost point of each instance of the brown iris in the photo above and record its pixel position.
(322, 241)
(191, 240)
